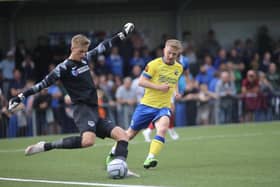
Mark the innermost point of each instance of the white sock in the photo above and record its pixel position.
(113, 150)
(150, 155)
(148, 130)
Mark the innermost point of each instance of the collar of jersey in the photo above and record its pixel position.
(166, 63)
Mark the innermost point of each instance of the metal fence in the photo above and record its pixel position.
(189, 113)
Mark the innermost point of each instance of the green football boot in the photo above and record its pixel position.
(109, 158)
(150, 163)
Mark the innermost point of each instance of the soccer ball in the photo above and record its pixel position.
(117, 169)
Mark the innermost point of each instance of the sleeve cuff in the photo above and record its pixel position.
(145, 74)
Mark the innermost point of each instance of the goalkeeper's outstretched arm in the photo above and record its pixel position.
(51, 78)
(108, 43)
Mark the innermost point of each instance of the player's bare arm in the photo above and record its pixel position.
(177, 93)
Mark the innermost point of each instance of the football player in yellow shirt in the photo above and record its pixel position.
(159, 79)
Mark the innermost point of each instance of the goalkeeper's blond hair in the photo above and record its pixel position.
(80, 40)
(175, 44)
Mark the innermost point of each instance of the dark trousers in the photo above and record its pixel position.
(191, 110)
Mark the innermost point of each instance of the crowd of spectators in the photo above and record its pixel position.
(218, 86)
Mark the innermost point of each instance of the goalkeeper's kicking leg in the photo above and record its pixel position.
(86, 139)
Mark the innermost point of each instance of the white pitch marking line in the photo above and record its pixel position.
(11, 150)
(70, 182)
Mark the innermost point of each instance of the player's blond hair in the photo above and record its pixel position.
(80, 40)
(175, 44)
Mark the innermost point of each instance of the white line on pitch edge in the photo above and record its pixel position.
(11, 150)
(70, 182)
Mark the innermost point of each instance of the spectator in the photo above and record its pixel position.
(190, 53)
(146, 55)
(239, 47)
(213, 119)
(100, 67)
(237, 74)
(190, 97)
(115, 62)
(230, 67)
(180, 105)
(7, 66)
(193, 67)
(57, 99)
(136, 59)
(220, 59)
(184, 61)
(20, 52)
(264, 65)
(273, 77)
(202, 77)
(137, 40)
(31, 129)
(18, 121)
(264, 112)
(255, 62)
(117, 83)
(106, 97)
(101, 104)
(226, 91)
(105, 87)
(28, 67)
(214, 81)
(44, 113)
(111, 83)
(126, 101)
(250, 90)
(17, 84)
(139, 90)
(209, 66)
(203, 110)
(234, 56)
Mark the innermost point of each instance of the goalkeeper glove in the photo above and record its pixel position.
(15, 101)
(127, 29)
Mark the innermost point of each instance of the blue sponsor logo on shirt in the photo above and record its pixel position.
(75, 72)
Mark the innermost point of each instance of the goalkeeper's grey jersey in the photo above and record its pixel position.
(76, 77)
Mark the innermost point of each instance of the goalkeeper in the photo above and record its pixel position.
(74, 73)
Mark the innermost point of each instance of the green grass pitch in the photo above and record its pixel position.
(219, 156)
